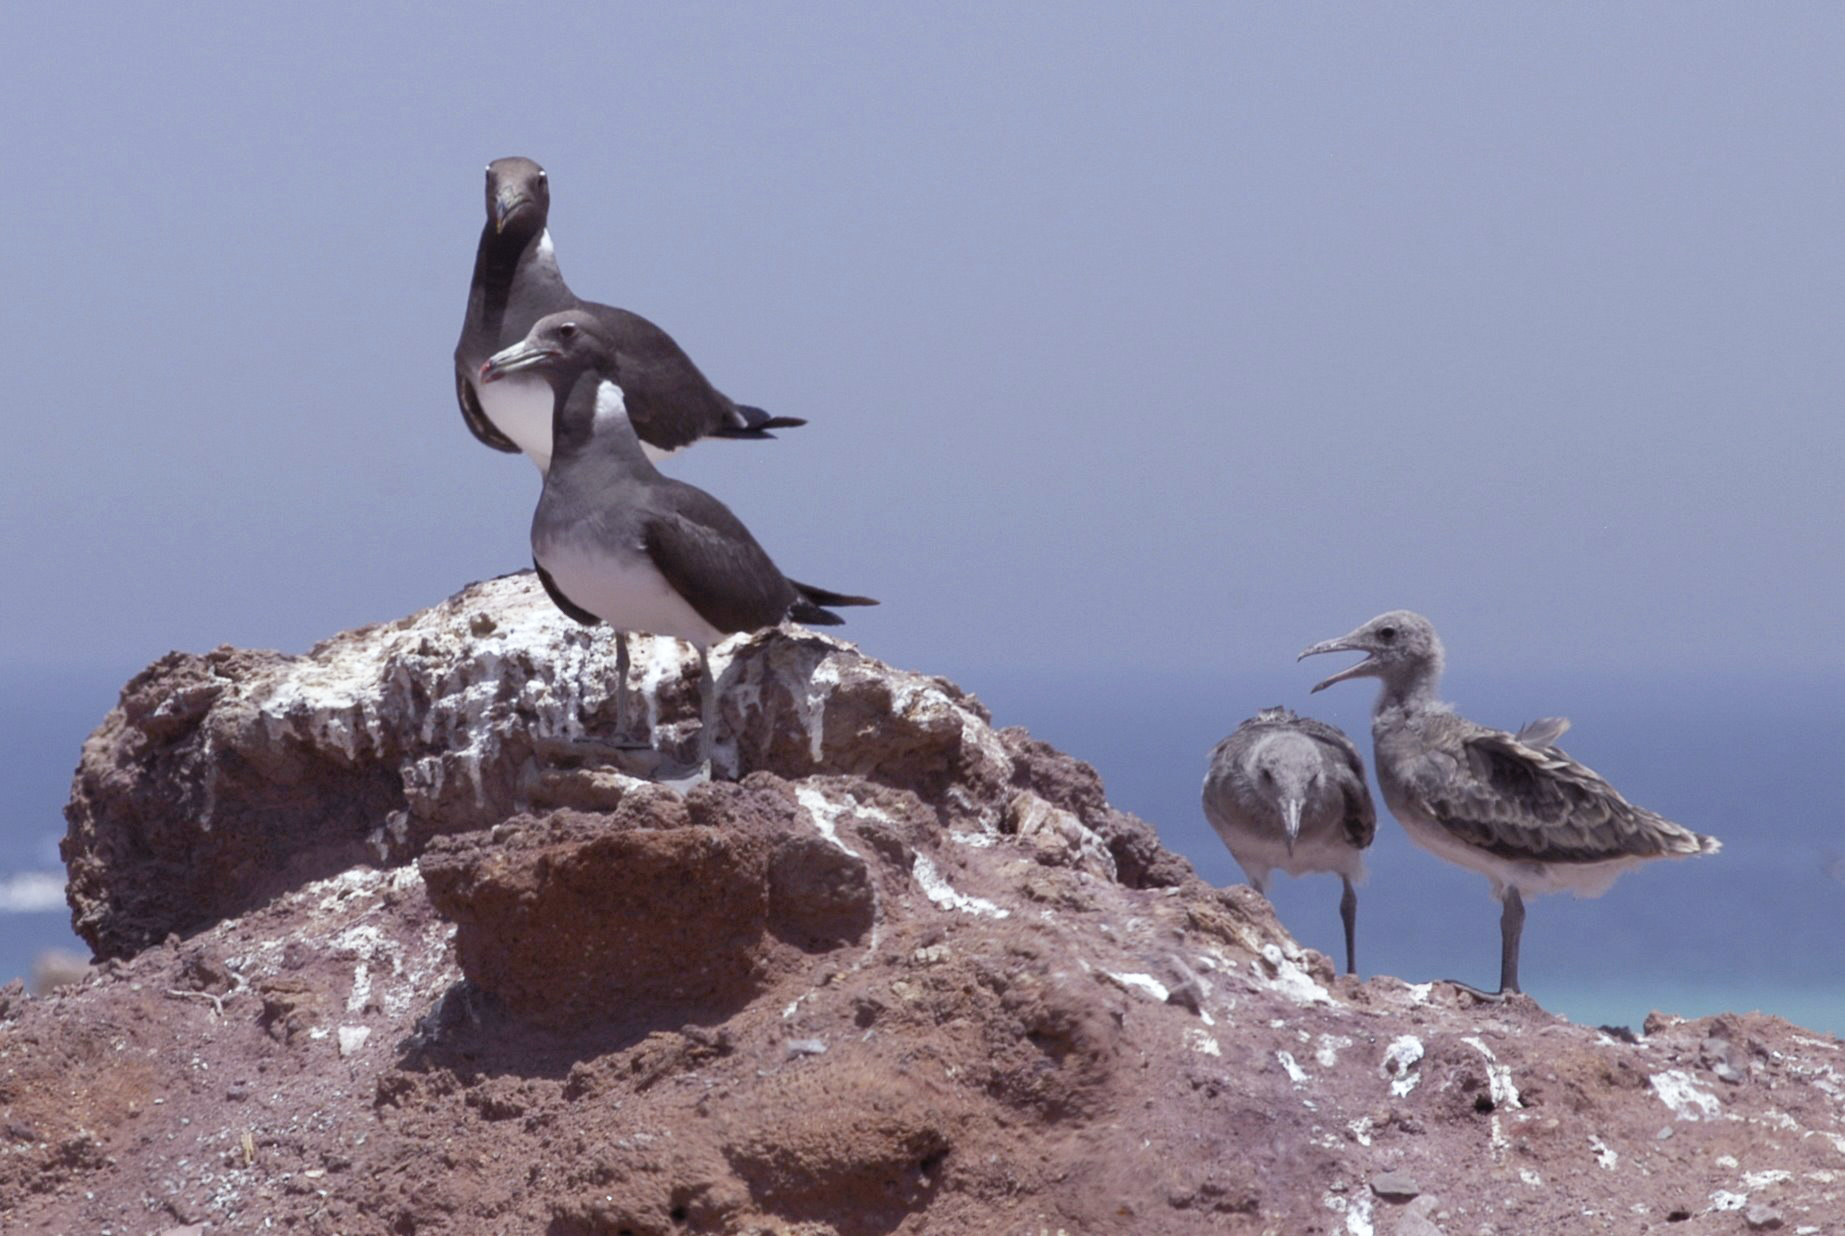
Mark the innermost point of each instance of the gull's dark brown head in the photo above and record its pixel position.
(518, 196)
(558, 348)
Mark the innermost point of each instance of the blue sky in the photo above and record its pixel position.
(1178, 336)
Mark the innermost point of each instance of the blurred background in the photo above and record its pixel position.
(1140, 348)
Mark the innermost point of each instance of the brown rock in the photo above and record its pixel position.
(569, 920)
(1395, 1186)
(1760, 1218)
(222, 780)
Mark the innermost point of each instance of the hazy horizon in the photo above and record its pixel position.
(1692, 936)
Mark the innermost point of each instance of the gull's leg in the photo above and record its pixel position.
(1511, 926)
(703, 762)
(1348, 914)
(621, 686)
(622, 709)
(622, 740)
(707, 710)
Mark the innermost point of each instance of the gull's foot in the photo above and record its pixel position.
(1483, 996)
(614, 744)
(631, 759)
(681, 779)
(1509, 995)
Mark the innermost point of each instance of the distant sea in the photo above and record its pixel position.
(1759, 763)
(45, 714)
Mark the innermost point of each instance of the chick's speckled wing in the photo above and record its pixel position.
(1539, 805)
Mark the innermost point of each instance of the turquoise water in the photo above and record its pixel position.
(1760, 926)
(1616, 1004)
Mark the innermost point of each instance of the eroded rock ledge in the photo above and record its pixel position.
(394, 951)
(223, 779)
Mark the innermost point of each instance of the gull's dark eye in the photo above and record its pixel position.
(568, 330)
(1386, 633)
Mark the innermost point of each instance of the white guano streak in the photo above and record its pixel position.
(1498, 1077)
(947, 897)
(1683, 1096)
(1399, 1064)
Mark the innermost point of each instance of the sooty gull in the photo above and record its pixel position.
(516, 282)
(1289, 792)
(615, 541)
(1512, 807)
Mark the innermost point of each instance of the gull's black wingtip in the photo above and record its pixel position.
(756, 424)
(821, 596)
(756, 418)
(814, 616)
(811, 607)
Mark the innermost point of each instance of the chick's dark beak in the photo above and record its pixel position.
(1342, 644)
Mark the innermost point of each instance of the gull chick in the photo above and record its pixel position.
(1288, 792)
(1512, 807)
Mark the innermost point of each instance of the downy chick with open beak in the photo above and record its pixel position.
(1511, 806)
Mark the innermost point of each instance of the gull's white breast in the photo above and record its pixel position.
(520, 407)
(1257, 839)
(623, 589)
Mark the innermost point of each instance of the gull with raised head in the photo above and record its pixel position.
(1511, 806)
(517, 281)
(614, 541)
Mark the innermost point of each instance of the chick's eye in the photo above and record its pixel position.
(1386, 633)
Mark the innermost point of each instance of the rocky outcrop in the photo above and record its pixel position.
(221, 780)
(905, 973)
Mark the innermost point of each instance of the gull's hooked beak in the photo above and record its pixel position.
(505, 204)
(1290, 809)
(1344, 643)
(514, 359)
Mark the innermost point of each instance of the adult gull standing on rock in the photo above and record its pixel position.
(1288, 791)
(614, 541)
(1512, 807)
(516, 282)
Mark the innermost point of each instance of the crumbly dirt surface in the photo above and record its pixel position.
(905, 973)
